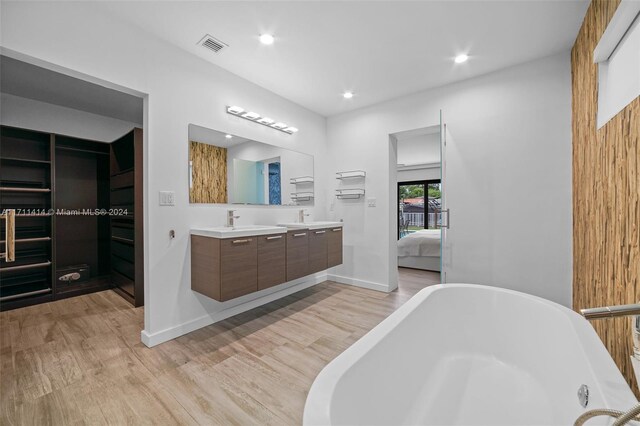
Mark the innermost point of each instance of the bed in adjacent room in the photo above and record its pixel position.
(420, 250)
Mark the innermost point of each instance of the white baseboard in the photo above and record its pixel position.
(165, 335)
(359, 283)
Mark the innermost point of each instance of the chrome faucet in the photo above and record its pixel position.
(301, 215)
(611, 311)
(231, 217)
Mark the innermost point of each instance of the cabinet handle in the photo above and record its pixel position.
(337, 229)
(300, 235)
(274, 238)
(320, 232)
(241, 241)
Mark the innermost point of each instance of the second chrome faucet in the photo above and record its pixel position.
(231, 217)
(301, 215)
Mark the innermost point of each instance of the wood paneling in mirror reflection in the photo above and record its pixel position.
(606, 196)
(208, 173)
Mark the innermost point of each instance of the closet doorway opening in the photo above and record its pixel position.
(71, 155)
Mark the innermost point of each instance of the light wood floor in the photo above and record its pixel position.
(80, 360)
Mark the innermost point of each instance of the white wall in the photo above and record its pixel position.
(508, 171)
(30, 114)
(419, 149)
(181, 89)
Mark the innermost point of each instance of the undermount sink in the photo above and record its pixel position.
(238, 231)
(312, 225)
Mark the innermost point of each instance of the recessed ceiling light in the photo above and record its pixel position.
(266, 39)
(228, 136)
(347, 95)
(279, 125)
(291, 129)
(461, 58)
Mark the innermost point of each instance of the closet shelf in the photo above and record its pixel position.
(24, 160)
(28, 266)
(351, 174)
(27, 294)
(301, 179)
(123, 240)
(18, 189)
(28, 240)
(352, 193)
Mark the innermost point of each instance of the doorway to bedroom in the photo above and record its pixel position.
(419, 201)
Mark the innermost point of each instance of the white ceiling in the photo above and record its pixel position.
(377, 49)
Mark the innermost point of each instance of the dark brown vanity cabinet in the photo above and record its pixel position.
(334, 247)
(297, 254)
(317, 250)
(226, 268)
(272, 260)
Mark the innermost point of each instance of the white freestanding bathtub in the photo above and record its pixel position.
(461, 354)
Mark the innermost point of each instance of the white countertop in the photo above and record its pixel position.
(238, 231)
(312, 225)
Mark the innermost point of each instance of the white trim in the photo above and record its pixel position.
(167, 334)
(624, 16)
(359, 283)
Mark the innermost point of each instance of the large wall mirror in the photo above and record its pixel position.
(229, 169)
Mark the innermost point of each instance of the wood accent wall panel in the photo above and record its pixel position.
(606, 196)
(208, 173)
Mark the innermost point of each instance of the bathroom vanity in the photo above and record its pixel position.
(229, 262)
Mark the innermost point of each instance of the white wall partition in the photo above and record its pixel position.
(508, 179)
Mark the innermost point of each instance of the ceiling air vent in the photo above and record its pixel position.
(212, 43)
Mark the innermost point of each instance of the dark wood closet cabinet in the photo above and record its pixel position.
(78, 210)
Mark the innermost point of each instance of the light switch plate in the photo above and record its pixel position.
(167, 198)
(371, 202)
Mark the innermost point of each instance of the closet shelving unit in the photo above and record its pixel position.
(350, 176)
(44, 172)
(26, 185)
(127, 254)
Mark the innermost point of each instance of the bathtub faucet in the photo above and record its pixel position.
(611, 311)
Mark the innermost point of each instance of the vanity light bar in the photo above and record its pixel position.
(265, 121)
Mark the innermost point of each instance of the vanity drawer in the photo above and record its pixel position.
(272, 260)
(318, 250)
(238, 267)
(297, 254)
(334, 247)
